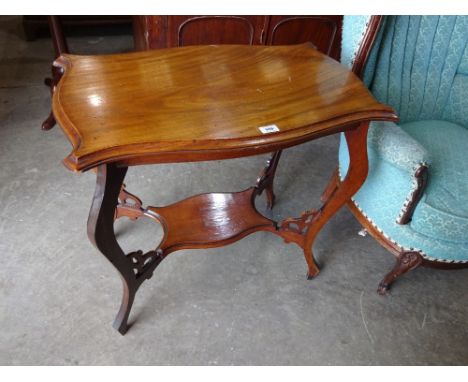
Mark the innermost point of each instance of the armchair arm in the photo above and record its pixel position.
(398, 148)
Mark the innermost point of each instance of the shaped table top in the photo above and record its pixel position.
(204, 102)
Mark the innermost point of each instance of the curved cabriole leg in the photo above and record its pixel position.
(128, 296)
(406, 261)
(52, 83)
(331, 187)
(49, 122)
(135, 267)
(267, 177)
(336, 197)
(60, 47)
(312, 267)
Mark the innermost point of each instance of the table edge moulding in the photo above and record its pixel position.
(206, 103)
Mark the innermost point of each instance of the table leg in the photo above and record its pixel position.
(195, 222)
(134, 267)
(304, 230)
(267, 177)
(52, 83)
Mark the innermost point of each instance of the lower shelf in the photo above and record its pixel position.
(210, 220)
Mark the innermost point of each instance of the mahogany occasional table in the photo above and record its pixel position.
(205, 103)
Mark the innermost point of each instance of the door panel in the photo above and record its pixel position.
(204, 30)
(323, 31)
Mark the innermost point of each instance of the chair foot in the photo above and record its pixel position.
(406, 262)
(383, 288)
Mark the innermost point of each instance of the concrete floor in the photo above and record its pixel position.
(245, 304)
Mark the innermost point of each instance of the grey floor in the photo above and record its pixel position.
(245, 304)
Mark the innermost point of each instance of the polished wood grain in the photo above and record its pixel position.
(197, 103)
(213, 220)
(204, 102)
(156, 32)
(209, 220)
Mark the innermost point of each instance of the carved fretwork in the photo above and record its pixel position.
(406, 262)
(141, 262)
(267, 177)
(129, 205)
(298, 225)
(195, 222)
(135, 267)
(295, 230)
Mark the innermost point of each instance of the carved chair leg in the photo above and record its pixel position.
(338, 196)
(406, 262)
(267, 177)
(135, 267)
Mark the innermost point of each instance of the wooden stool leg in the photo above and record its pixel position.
(134, 267)
(267, 177)
(406, 262)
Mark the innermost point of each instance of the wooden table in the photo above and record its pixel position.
(206, 103)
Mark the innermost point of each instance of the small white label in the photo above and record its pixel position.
(269, 129)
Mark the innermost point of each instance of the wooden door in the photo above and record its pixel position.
(323, 31)
(171, 31)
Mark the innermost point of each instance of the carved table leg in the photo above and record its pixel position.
(331, 187)
(52, 83)
(267, 177)
(335, 197)
(355, 177)
(406, 262)
(60, 47)
(135, 267)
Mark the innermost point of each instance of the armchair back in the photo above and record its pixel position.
(418, 65)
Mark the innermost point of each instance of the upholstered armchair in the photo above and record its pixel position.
(415, 199)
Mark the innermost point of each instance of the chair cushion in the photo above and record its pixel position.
(397, 147)
(443, 210)
(439, 225)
